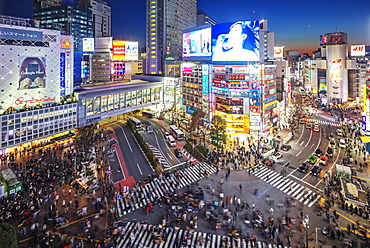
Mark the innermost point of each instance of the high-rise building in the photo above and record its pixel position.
(164, 25)
(79, 18)
(102, 18)
(203, 18)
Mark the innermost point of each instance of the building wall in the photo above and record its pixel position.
(337, 74)
(102, 18)
(165, 22)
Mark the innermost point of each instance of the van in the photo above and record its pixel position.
(171, 140)
(342, 143)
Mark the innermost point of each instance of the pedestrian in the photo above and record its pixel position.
(227, 176)
(241, 188)
(221, 181)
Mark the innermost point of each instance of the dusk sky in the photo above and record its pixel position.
(297, 24)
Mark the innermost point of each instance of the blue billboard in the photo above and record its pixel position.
(236, 41)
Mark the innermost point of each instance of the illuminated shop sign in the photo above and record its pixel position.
(205, 79)
(20, 34)
(358, 50)
(62, 74)
(88, 44)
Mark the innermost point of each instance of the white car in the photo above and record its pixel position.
(276, 155)
(316, 128)
(342, 143)
(340, 132)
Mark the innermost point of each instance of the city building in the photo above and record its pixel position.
(73, 17)
(101, 18)
(203, 18)
(224, 75)
(111, 60)
(164, 25)
(36, 82)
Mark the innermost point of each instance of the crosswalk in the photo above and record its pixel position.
(157, 188)
(144, 235)
(286, 185)
(162, 160)
(333, 124)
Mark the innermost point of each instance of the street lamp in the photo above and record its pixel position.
(306, 221)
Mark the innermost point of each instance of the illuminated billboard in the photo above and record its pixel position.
(236, 41)
(32, 74)
(132, 50)
(197, 44)
(88, 44)
(278, 52)
(358, 50)
(125, 50)
(118, 50)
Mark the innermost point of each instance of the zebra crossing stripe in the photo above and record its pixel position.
(141, 234)
(288, 186)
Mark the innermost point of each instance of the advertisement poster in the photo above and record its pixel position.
(32, 73)
(236, 41)
(197, 43)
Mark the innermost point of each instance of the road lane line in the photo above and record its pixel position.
(139, 169)
(309, 140)
(298, 153)
(302, 143)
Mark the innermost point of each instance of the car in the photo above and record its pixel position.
(308, 125)
(331, 136)
(342, 143)
(318, 151)
(302, 121)
(177, 152)
(316, 128)
(323, 160)
(269, 162)
(303, 167)
(332, 143)
(286, 147)
(312, 159)
(315, 171)
(166, 134)
(329, 152)
(276, 155)
(340, 132)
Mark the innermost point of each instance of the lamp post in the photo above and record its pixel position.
(306, 223)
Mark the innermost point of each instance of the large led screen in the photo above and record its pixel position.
(236, 41)
(197, 44)
(32, 73)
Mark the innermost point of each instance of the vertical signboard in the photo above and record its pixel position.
(205, 80)
(62, 74)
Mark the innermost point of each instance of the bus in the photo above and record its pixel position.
(171, 140)
(11, 182)
(177, 133)
(137, 123)
(147, 114)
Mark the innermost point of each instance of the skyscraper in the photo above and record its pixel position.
(79, 18)
(164, 25)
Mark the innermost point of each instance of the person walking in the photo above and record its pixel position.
(241, 188)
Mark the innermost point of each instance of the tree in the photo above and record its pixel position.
(218, 131)
(85, 137)
(197, 114)
(8, 236)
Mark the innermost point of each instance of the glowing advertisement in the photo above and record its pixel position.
(278, 52)
(358, 50)
(20, 34)
(32, 73)
(322, 84)
(125, 50)
(118, 50)
(335, 75)
(205, 80)
(132, 50)
(197, 44)
(62, 73)
(236, 41)
(88, 44)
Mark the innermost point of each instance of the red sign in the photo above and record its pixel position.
(235, 77)
(217, 76)
(119, 50)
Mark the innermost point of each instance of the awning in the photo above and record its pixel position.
(365, 139)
